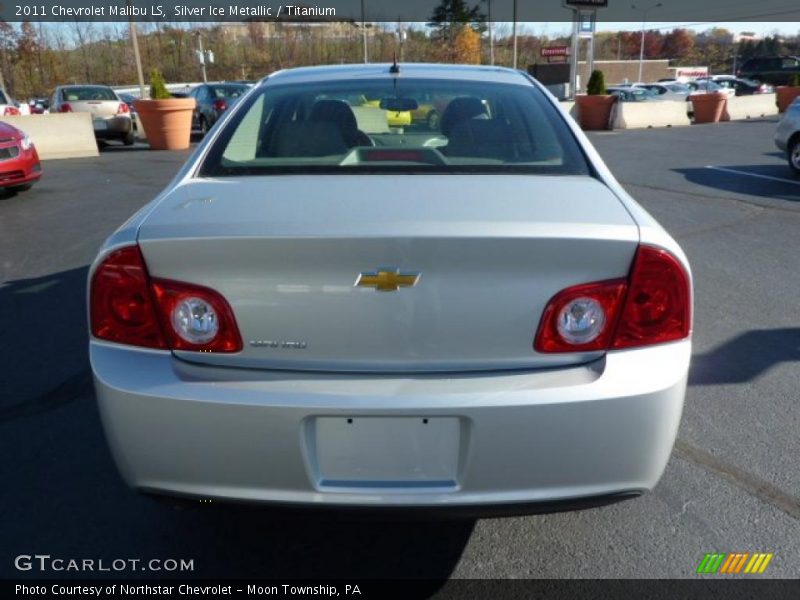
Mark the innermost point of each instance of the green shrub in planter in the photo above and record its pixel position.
(158, 89)
(597, 84)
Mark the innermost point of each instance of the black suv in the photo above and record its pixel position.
(777, 70)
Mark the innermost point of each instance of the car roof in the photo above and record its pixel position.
(480, 73)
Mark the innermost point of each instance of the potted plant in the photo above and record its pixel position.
(708, 107)
(167, 121)
(785, 94)
(594, 108)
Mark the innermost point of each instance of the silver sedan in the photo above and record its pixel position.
(324, 310)
(787, 136)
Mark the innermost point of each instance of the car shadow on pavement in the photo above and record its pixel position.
(62, 494)
(748, 179)
(745, 357)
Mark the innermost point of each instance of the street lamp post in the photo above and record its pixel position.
(644, 12)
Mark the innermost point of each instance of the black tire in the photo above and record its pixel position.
(129, 139)
(203, 126)
(793, 154)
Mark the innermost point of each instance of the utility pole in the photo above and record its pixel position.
(201, 55)
(136, 56)
(364, 29)
(515, 33)
(644, 12)
(491, 33)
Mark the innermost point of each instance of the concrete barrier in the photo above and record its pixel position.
(750, 107)
(59, 135)
(571, 108)
(639, 115)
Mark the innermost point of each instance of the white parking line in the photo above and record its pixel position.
(769, 177)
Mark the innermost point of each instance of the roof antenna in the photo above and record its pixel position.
(394, 69)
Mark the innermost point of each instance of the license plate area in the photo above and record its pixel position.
(100, 124)
(385, 452)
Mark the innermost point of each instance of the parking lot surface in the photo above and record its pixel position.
(732, 485)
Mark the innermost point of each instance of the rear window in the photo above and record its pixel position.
(388, 125)
(88, 93)
(228, 91)
(3, 99)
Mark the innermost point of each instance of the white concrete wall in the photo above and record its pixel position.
(60, 135)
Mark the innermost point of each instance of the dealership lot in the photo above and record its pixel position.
(733, 484)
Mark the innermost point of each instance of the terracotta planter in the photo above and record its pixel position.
(786, 95)
(708, 108)
(594, 112)
(167, 123)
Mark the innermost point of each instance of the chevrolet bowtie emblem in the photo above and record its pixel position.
(387, 280)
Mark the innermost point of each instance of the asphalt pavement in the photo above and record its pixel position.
(732, 485)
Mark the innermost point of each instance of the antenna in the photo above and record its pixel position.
(394, 69)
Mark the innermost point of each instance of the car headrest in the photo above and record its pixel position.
(335, 111)
(461, 109)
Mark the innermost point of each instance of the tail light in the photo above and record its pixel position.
(11, 111)
(220, 105)
(652, 306)
(66, 107)
(123, 109)
(127, 307)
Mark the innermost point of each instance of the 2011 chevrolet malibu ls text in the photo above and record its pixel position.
(322, 308)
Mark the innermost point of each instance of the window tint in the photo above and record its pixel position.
(3, 99)
(384, 125)
(228, 91)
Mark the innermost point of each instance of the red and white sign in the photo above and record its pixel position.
(690, 73)
(555, 51)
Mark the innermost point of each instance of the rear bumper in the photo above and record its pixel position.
(115, 127)
(562, 435)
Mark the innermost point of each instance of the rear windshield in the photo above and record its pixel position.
(228, 91)
(3, 99)
(80, 94)
(402, 125)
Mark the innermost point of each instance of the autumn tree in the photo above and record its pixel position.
(467, 46)
(678, 44)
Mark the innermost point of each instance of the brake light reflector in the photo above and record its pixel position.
(220, 105)
(195, 318)
(121, 308)
(658, 306)
(127, 307)
(66, 107)
(652, 306)
(123, 109)
(580, 318)
(11, 111)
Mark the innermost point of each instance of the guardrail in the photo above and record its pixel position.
(58, 135)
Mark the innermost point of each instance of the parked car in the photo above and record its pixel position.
(629, 93)
(787, 136)
(706, 86)
(19, 162)
(8, 107)
(213, 99)
(474, 316)
(39, 106)
(775, 70)
(667, 90)
(742, 87)
(111, 117)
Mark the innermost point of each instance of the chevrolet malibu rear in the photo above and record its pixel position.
(324, 310)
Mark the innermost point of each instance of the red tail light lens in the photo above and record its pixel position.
(66, 107)
(220, 105)
(652, 306)
(127, 307)
(658, 306)
(196, 318)
(123, 109)
(122, 309)
(580, 318)
(11, 111)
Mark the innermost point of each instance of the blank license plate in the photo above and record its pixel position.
(100, 124)
(387, 451)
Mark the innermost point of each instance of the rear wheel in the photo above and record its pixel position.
(129, 139)
(794, 154)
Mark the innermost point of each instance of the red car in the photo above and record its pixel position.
(19, 162)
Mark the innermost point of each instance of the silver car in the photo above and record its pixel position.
(787, 136)
(111, 116)
(318, 310)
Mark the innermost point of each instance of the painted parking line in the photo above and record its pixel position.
(769, 177)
